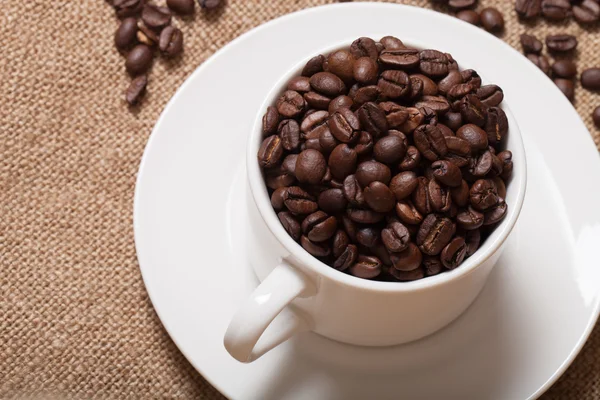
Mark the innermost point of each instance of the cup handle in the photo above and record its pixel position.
(247, 326)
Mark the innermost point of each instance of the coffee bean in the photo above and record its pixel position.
(420, 196)
(317, 100)
(403, 184)
(364, 95)
(432, 265)
(290, 224)
(371, 171)
(473, 110)
(379, 197)
(556, 10)
(347, 258)
(171, 41)
(415, 118)
(367, 267)
(390, 149)
(339, 243)
(472, 240)
(496, 213)
(471, 77)
(434, 234)
(454, 253)
(416, 87)
(395, 114)
(458, 92)
(453, 120)
(299, 201)
(128, 8)
(474, 135)
(391, 43)
(469, 16)
(436, 103)
(395, 237)
(277, 198)
(289, 132)
(507, 164)
(367, 237)
(300, 84)
(445, 130)
(407, 260)
(327, 84)
(363, 216)
(561, 43)
(469, 218)
(364, 145)
(483, 195)
(460, 194)
(270, 152)
(341, 63)
(587, 12)
(314, 125)
(342, 161)
(313, 66)
(496, 126)
(564, 69)
(500, 186)
(590, 79)
(433, 63)
(528, 8)
(567, 87)
(541, 62)
(408, 213)
(411, 160)
(146, 35)
(490, 95)
(209, 4)
(453, 78)
(125, 36)
(372, 119)
(289, 164)
(183, 7)
(439, 197)
(394, 84)
(270, 121)
(319, 226)
(344, 125)
(277, 178)
(316, 249)
(531, 44)
(139, 60)
(156, 17)
(596, 117)
(136, 90)
(430, 142)
(447, 173)
(291, 104)
(461, 4)
(353, 191)
(364, 47)
(342, 101)
(491, 19)
(400, 58)
(310, 166)
(365, 70)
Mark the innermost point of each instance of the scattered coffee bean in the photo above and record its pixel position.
(564, 69)
(556, 10)
(125, 36)
(541, 62)
(470, 16)
(596, 117)
(491, 19)
(128, 8)
(461, 4)
(139, 60)
(561, 43)
(183, 7)
(531, 44)
(156, 17)
(146, 35)
(171, 41)
(567, 87)
(209, 4)
(136, 90)
(587, 11)
(590, 79)
(528, 8)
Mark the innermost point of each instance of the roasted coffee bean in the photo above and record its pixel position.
(277, 198)
(400, 58)
(473, 110)
(332, 201)
(460, 194)
(367, 237)
(445, 130)
(395, 114)
(125, 36)
(392, 43)
(270, 152)
(596, 117)
(528, 8)
(289, 164)
(500, 186)
(364, 145)
(353, 191)
(433, 63)
(209, 4)
(342, 101)
(278, 178)
(415, 118)
(319, 226)
(459, 151)
(316, 249)
(564, 69)
(300, 84)
(470, 16)
(471, 77)
(416, 88)
(364, 47)
(314, 125)
(432, 265)
(290, 224)
(406, 276)
(327, 84)
(474, 135)
(452, 120)
(561, 43)
(364, 95)
(567, 87)
(344, 125)
(434, 234)
(458, 92)
(395, 237)
(146, 35)
(341, 63)
(439, 197)
(289, 131)
(420, 196)
(403, 184)
(362, 216)
(371, 171)
(587, 12)
(453, 78)
(316, 100)
(372, 119)
(365, 70)
(347, 258)
(342, 161)
(270, 121)
(183, 7)
(491, 19)
(483, 195)
(136, 90)
(469, 218)
(310, 166)
(541, 62)
(171, 41)
(436, 103)
(128, 8)
(496, 126)
(507, 164)
(291, 104)
(339, 243)
(379, 197)
(408, 259)
(454, 253)
(367, 267)
(411, 160)
(313, 66)
(156, 17)
(390, 149)
(139, 60)
(461, 4)
(447, 173)
(556, 10)
(472, 240)
(531, 44)
(481, 165)
(430, 142)
(490, 95)
(590, 79)
(349, 227)
(299, 201)
(394, 84)
(408, 213)
(496, 213)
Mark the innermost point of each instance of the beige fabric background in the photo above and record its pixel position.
(75, 319)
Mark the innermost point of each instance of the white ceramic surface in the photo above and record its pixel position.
(522, 332)
(340, 306)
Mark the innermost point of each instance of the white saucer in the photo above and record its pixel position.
(190, 228)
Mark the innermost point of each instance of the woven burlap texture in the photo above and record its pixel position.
(75, 319)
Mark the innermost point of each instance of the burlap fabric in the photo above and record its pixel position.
(75, 319)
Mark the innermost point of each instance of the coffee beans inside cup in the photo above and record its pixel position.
(387, 162)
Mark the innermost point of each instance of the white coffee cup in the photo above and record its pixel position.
(340, 306)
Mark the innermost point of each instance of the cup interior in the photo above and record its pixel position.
(515, 194)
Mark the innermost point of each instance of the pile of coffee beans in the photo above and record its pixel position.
(387, 162)
(144, 31)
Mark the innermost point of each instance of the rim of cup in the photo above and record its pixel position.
(258, 188)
